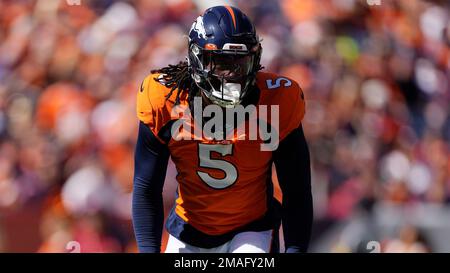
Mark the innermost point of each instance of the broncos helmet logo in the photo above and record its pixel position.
(198, 27)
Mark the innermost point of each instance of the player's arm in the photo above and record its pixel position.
(150, 165)
(292, 163)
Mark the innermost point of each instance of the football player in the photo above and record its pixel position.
(225, 199)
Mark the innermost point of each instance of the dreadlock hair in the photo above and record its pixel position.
(177, 77)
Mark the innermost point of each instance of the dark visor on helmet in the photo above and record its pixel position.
(230, 66)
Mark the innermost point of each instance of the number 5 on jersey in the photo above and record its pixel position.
(205, 161)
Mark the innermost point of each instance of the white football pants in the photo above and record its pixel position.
(245, 242)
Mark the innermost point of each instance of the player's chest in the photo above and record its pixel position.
(220, 164)
(244, 155)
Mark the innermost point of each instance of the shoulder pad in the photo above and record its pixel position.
(287, 94)
(152, 106)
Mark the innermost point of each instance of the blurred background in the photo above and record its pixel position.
(376, 81)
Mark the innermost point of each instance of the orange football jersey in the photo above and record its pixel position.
(222, 185)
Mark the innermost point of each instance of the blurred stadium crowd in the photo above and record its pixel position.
(376, 80)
